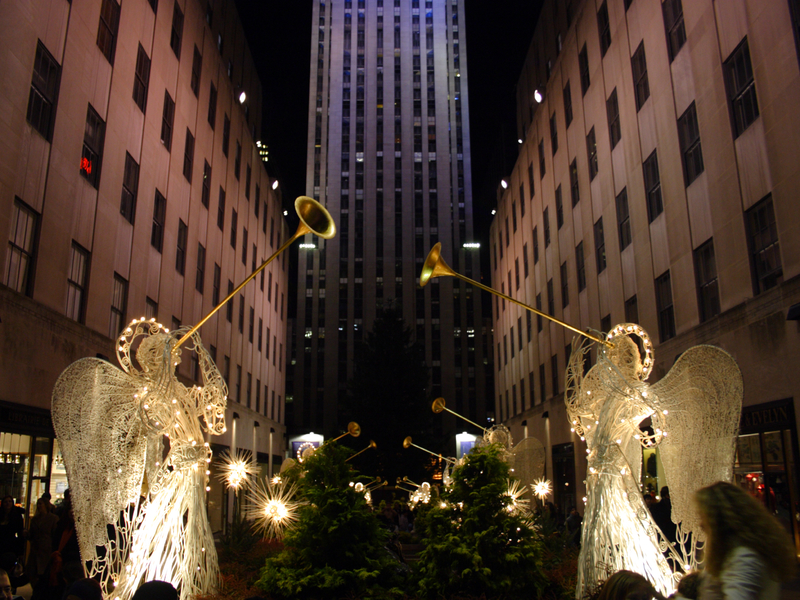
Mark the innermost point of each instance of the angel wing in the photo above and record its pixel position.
(97, 423)
(701, 402)
(528, 461)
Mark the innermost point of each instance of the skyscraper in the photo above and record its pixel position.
(388, 155)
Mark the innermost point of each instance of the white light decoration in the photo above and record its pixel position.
(275, 185)
(537, 95)
(132, 442)
(273, 508)
(517, 504)
(242, 97)
(542, 489)
(504, 183)
(234, 470)
(698, 403)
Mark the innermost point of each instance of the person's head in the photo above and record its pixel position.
(573, 510)
(665, 493)
(689, 585)
(5, 586)
(730, 517)
(8, 504)
(84, 589)
(649, 500)
(156, 590)
(42, 507)
(627, 585)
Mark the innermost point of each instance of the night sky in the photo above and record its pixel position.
(498, 36)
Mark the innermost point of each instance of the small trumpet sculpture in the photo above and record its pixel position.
(371, 445)
(407, 443)
(137, 465)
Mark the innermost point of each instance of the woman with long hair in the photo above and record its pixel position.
(747, 551)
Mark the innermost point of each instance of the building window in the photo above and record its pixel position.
(673, 24)
(564, 285)
(76, 282)
(765, 254)
(119, 302)
(180, 253)
(216, 285)
(604, 27)
(44, 92)
(623, 219)
(591, 150)
(741, 88)
(159, 216)
(141, 79)
(546, 225)
(226, 135)
(641, 87)
(212, 106)
(241, 313)
(206, 196)
(551, 298)
(200, 276)
(580, 266)
(567, 105)
(167, 120)
(553, 134)
(130, 185)
(666, 316)
(525, 260)
(531, 183)
(237, 164)
(221, 209)
(554, 373)
(244, 245)
(539, 308)
(559, 209)
(612, 110)
(229, 305)
(177, 31)
(574, 190)
(22, 243)
(583, 61)
(108, 28)
(541, 159)
(197, 67)
(93, 139)
(794, 6)
(689, 132)
(535, 246)
(599, 245)
(188, 156)
(652, 187)
(632, 310)
(705, 271)
(234, 224)
(151, 309)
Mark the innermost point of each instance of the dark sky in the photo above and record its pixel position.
(498, 36)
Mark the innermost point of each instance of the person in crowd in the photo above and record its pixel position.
(573, 527)
(156, 590)
(12, 536)
(627, 585)
(40, 536)
(65, 566)
(84, 589)
(747, 551)
(662, 515)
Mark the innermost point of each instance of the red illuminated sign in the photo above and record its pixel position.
(86, 165)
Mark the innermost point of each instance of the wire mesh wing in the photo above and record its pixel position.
(701, 403)
(97, 423)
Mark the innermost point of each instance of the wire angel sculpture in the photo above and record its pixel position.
(693, 415)
(134, 451)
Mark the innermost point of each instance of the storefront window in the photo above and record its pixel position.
(15, 452)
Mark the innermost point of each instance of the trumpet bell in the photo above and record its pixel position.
(438, 405)
(315, 217)
(354, 429)
(372, 444)
(434, 266)
(407, 442)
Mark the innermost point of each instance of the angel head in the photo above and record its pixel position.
(625, 355)
(153, 352)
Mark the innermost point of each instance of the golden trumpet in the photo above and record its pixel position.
(435, 266)
(372, 444)
(408, 443)
(353, 429)
(438, 406)
(314, 218)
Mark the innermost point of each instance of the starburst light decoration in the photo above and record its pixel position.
(236, 469)
(137, 464)
(691, 415)
(517, 504)
(273, 507)
(542, 489)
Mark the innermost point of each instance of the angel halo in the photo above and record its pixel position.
(693, 414)
(134, 450)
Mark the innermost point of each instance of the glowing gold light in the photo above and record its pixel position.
(542, 488)
(516, 504)
(234, 470)
(273, 508)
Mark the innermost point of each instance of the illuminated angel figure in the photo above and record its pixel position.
(137, 463)
(693, 414)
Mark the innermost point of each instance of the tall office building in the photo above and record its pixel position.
(657, 184)
(132, 178)
(388, 155)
